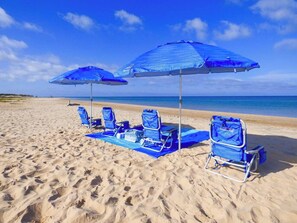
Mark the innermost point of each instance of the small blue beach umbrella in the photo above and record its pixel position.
(88, 75)
(183, 58)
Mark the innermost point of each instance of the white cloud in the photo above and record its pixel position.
(128, 18)
(33, 69)
(277, 77)
(232, 31)
(109, 67)
(79, 21)
(8, 47)
(32, 27)
(282, 12)
(14, 66)
(6, 43)
(130, 21)
(198, 26)
(290, 44)
(5, 19)
(276, 9)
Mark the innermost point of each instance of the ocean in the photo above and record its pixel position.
(285, 106)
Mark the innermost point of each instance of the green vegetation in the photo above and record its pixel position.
(13, 97)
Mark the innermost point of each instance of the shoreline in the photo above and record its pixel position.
(248, 118)
(275, 106)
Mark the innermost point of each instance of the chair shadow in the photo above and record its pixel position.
(281, 152)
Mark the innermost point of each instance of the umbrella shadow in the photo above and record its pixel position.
(183, 126)
(281, 152)
(191, 137)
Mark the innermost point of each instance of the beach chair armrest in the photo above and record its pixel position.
(255, 150)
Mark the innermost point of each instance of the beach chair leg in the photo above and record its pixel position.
(255, 162)
(207, 161)
(249, 165)
(247, 170)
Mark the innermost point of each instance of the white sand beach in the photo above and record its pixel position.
(51, 172)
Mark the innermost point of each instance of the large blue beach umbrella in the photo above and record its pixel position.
(88, 75)
(183, 58)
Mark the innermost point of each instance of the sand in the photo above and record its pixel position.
(51, 172)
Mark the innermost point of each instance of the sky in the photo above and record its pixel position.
(42, 39)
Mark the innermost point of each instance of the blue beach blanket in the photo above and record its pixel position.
(189, 137)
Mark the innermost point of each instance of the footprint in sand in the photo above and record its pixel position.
(28, 189)
(54, 182)
(151, 190)
(80, 203)
(37, 180)
(128, 201)
(59, 192)
(96, 181)
(112, 201)
(53, 197)
(23, 177)
(71, 170)
(94, 195)
(127, 188)
(76, 185)
(33, 213)
(6, 171)
(7, 197)
(87, 172)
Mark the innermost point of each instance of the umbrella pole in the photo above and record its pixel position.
(91, 119)
(180, 110)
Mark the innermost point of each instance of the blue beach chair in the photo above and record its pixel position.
(156, 136)
(112, 127)
(229, 147)
(86, 120)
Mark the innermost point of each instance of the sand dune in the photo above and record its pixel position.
(51, 172)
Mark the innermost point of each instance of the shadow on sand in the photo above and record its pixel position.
(73, 104)
(281, 152)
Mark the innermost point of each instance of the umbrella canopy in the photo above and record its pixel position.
(88, 75)
(188, 56)
(182, 58)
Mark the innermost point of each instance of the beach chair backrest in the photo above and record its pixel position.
(83, 114)
(227, 130)
(151, 123)
(228, 138)
(109, 118)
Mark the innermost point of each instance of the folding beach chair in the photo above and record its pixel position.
(112, 127)
(156, 136)
(229, 147)
(86, 120)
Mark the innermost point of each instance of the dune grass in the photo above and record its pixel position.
(12, 98)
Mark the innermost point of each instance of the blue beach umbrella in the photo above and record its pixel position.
(88, 75)
(183, 58)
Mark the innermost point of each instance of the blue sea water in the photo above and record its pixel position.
(285, 106)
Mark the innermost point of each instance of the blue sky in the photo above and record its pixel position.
(41, 39)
